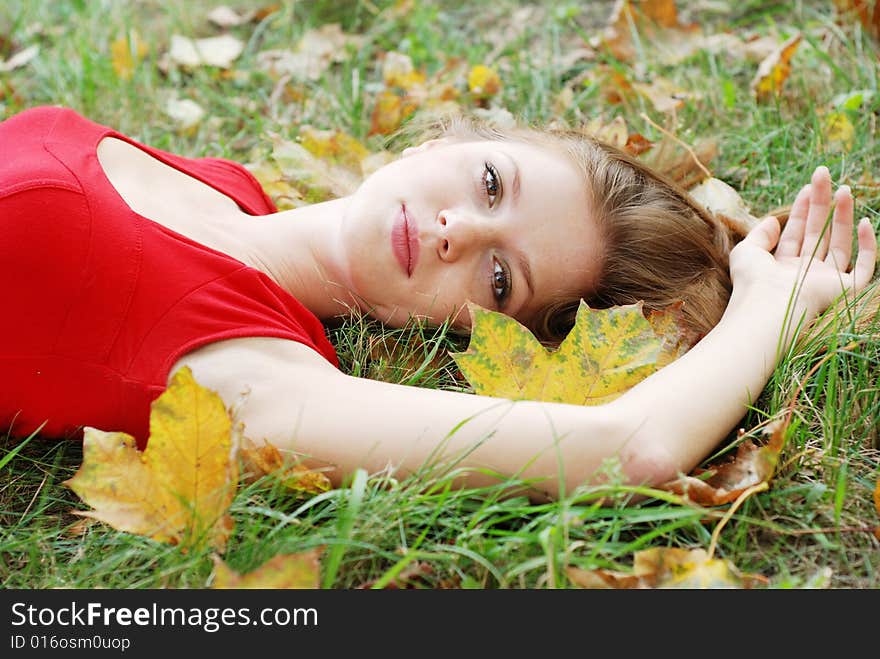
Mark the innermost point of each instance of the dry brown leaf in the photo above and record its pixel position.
(267, 460)
(726, 203)
(298, 571)
(774, 70)
(667, 567)
(664, 95)
(179, 488)
(752, 465)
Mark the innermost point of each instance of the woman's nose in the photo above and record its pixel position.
(460, 231)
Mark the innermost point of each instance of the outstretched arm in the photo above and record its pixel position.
(663, 426)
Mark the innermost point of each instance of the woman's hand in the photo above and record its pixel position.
(809, 254)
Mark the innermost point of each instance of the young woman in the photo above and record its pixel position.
(123, 264)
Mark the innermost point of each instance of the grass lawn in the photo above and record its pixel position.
(813, 527)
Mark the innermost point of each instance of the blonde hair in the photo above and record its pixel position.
(660, 246)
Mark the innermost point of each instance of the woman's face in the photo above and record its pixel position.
(503, 224)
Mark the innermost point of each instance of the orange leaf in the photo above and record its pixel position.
(752, 465)
(281, 571)
(267, 460)
(774, 70)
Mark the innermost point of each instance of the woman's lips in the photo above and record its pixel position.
(405, 242)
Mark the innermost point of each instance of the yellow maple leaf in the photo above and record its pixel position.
(606, 352)
(773, 71)
(282, 571)
(179, 488)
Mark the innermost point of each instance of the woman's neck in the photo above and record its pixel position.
(299, 250)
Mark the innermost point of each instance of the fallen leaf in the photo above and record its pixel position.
(334, 145)
(276, 185)
(20, 59)
(606, 352)
(774, 70)
(483, 81)
(387, 113)
(315, 52)
(213, 51)
(187, 114)
(292, 166)
(614, 132)
(838, 131)
(226, 17)
(752, 465)
(657, 25)
(664, 95)
(398, 71)
(179, 488)
(297, 571)
(267, 460)
(126, 53)
(725, 202)
(667, 567)
(862, 9)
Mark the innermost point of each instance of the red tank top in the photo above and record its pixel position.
(99, 302)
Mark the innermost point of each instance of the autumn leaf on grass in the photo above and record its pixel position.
(752, 465)
(301, 570)
(126, 53)
(267, 460)
(774, 70)
(667, 567)
(179, 488)
(606, 352)
(725, 203)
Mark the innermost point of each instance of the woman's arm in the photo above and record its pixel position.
(288, 395)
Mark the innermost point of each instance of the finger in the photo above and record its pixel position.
(840, 247)
(765, 234)
(815, 242)
(867, 256)
(793, 233)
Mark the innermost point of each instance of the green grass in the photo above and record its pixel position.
(818, 514)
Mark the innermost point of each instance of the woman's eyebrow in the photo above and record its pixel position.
(515, 183)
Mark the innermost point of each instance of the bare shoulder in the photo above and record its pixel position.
(236, 367)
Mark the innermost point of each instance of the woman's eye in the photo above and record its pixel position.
(492, 183)
(500, 282)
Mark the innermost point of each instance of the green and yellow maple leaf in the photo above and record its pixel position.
(607, 352)
(179, 488)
